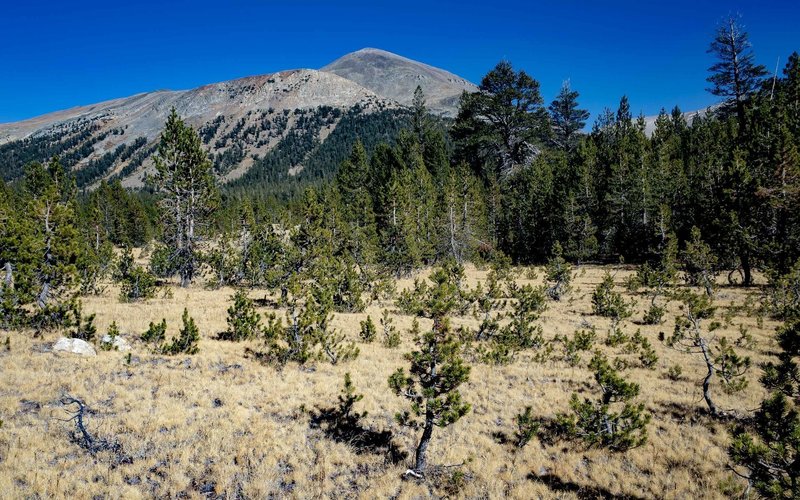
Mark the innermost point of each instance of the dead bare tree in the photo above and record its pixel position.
(81, 436)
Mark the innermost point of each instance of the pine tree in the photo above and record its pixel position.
(368, 331)
(790, 88)
(422, 201)
(85, 328)
(770, 450)
(596, 424)
(735, 76)
(136, 283)
(521, 332)
(156, 333)
(307, 334)
(462, 215)
(409, 227)
(12, 229)
(353, 180)
(185, 177)
(420, 120)
(657, 277)
(223, 261)
(47, 247)
(566, 118)
(720, 358)
(700, 263)
(558, 273)
(391, 336)
(608, 303)
(244, 322)
(187, 339)
(527, 208)
(503, 125)
(436, 371)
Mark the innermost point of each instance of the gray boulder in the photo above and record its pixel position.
(115, 343)
(75, 346)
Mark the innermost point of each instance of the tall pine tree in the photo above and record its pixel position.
(184, 176)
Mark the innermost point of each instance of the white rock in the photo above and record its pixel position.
(75, 346)
(117, 343)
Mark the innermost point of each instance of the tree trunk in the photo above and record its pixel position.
(44, 296)
(707, 380)
(452, 228)
(746, 268)
(706, 394)
(422, 448)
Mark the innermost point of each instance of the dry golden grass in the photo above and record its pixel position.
(217, 423)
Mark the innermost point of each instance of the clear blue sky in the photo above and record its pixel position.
(55, 55)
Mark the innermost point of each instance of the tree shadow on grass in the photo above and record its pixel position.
(266, 302)
(555, 483)
(699, 415)
(345, 427)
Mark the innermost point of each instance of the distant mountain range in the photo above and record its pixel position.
(263, 127)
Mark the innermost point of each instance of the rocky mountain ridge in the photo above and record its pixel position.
(241, 121)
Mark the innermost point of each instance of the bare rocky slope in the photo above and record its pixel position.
(242, 122)
(391, 76)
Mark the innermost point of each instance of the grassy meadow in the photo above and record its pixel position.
(220, 424)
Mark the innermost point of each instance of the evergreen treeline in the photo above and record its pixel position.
(514, 176)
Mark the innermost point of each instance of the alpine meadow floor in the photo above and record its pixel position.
(219, 424)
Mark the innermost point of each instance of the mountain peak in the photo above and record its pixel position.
(394, 76)
(375, 50)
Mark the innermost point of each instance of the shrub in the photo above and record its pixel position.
(558, 274)
(244, 322)
(85, 328)
(156, 333)
(596, 423)
(187, 339)
(136, 282)
(113, 333)
(608, 303)
(391, 336)
(527, 427)
(368, 331)
(520, 333)
(674, 372)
